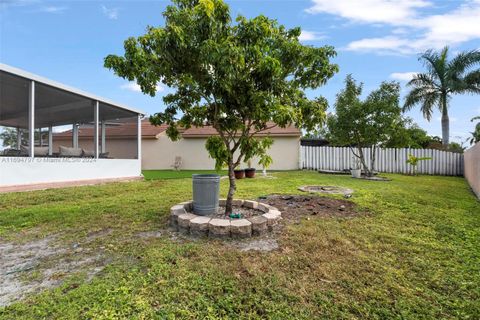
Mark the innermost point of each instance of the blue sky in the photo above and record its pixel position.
(376, 40)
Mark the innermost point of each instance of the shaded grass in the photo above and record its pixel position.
(417, 255)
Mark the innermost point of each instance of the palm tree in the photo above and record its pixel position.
(443, 79)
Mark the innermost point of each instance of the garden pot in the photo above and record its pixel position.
(356, 173)
(250, 172)
(206, 190)
(239, 174)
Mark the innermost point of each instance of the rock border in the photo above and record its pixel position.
(184, 221)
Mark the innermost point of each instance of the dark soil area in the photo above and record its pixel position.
(294, 207)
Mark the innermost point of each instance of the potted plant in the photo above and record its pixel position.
(239, 173)
(250, 172)
(356, 171)
(413, 162)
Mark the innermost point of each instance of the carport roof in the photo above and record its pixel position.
(55, 103)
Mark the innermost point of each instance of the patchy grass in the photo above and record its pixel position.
(417, 255)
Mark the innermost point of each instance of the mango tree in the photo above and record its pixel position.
(240, 77)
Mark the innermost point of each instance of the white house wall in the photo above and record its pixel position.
(20, 171)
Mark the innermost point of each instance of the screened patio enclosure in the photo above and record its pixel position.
(40, 125)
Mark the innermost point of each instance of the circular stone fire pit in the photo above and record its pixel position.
(326, 189)
(261, 219)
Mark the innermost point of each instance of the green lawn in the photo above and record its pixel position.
(171, 174)
(416, 255)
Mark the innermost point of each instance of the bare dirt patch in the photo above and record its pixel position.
(294, 207)
(375, 178)
(326, 189)
(149, 234)
(41, 264)
(266, 244)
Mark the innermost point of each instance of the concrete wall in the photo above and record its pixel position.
(160, 153)
(472, 168)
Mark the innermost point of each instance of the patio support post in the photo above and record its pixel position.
(102, 133)
(95, 127)
(19, 138)
(50, 140)
(75, 135)
(139, 138)
(31, 119)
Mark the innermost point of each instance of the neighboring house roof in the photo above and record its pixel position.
(149, 131)
(207, 131)
(314, 142)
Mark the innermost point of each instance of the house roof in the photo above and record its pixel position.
(274, 131)
(149, 131)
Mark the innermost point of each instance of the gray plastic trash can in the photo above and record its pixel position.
(206, 189)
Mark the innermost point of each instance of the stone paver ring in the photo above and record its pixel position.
(185, 221)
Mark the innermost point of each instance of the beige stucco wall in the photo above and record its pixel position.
(160, 153)
(472, 168)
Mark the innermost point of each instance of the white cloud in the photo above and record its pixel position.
(111, 13)
(53, 9)
(16, 3)
(132, 86)
(403, 76)
(381, 45)
(460, 25)
(415, 31)
(310, 36)
(393, 12)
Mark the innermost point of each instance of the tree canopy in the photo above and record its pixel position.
(239, 77)
(368, 123)
(408, 134)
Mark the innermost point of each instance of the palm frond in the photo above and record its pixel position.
(462, 63)
(429, 101)
(422, 79)
(436, 63)
(424, 96)
(470, 83)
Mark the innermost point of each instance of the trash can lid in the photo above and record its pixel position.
(205, 176)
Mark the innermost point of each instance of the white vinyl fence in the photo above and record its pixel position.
(391, 160)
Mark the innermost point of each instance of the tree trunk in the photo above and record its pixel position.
(362, 160)
(372, 161)
(231, 189)
(445, 122)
